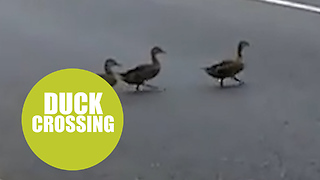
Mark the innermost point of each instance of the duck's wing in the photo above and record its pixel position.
(220, 65)
(227, 67)
(139, 70)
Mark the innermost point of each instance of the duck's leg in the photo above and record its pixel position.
(137, 87)
(221, 82)
(238, 80)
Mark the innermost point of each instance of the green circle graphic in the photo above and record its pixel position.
(83, 147)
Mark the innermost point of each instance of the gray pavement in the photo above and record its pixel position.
(267, 129)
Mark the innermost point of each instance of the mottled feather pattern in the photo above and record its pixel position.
(141, 73)
(228, 68)
(138, 75)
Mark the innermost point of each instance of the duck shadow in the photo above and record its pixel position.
(232, 86)
(225, 88)
(142, 92)
(131, 97)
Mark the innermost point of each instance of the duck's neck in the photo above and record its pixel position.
(154, 59)
(108, 70)
(239, 53)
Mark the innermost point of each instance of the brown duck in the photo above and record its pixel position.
(109, 76)
(228, 68)
(142, 73)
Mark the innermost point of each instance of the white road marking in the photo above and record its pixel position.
(295, 5)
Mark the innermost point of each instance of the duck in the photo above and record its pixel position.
(140, 74)
(228, 68)
(109, 75)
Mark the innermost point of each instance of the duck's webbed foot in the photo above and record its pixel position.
(238, 80)
(154, 87)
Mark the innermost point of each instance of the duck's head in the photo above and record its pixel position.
(111, 62)
(243, 44)
(157, 50)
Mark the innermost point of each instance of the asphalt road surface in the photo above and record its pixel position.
(267, 129)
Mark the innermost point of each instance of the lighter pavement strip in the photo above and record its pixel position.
(295, 5)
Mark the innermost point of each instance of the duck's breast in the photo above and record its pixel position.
(109, 78)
